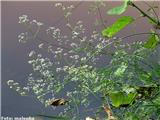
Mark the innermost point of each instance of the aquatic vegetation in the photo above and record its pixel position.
(126, 88)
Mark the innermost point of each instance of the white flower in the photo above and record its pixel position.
(73, 45)
(40, 45)
(75, 33)
(9, 82)
(65, 54)
(30, 61)
(83, 58)
(23, 93)
(36, 22)
(39, 23)
(79, 22)
(68, 14)
(65, 68)
(88, 118)
(23, 37)
(58, 69)
(17, 89)
(76, 57)
(68, 25)
(58, 4)
(23, 19)
(39, 55)
(32, 53)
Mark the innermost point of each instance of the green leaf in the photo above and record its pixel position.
(152, 41)
(131, 116)
(121, 98)
(116, 98)
(117, 26)
(129, 99)
(120, 9)
(157, 101)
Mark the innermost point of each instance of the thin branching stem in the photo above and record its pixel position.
(143, 13)
(152, 10)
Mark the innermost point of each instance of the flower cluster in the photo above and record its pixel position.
(14, 85)
(66, 9)
(24, 20)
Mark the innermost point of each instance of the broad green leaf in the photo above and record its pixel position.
(119, 10)
(152, 41)
(116, 98)
(117, 26)
(121, 98)
(129, 98)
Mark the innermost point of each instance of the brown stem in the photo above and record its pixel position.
(109, 113)
(144, 14)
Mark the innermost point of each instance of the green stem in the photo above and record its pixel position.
(139, 34)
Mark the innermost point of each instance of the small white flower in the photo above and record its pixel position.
(63, 8)
(32, 53)
(39, 55)
(30, 61)
(83, 58)
(58, 4)
(68, 14)
(23, 19)
(79, 22)
(17, 89)
(23, 37)
(65, 54)
(40, 45)
(76, 57)
(58, 69)
(65, 68)
(34, 21)
(23, 93)
(74, 45)
(39, 23)
(9, 82)
(69, 25)
(75, 33)
(88, 118)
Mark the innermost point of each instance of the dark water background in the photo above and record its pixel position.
(15, 55)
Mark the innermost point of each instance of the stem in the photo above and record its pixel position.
(152, 10)
(101, 18)
(144, 14)
(138, 34)
(62, 17)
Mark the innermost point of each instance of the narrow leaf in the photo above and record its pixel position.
(119, 10)
(117, 26)
(152, 41)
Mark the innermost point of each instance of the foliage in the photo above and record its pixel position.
(117, 26)
(129, 84)
(120, 9)
(152, 41)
